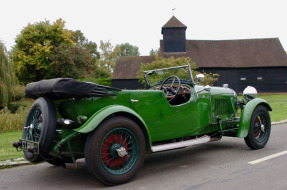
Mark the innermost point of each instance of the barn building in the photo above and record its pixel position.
(261, 63)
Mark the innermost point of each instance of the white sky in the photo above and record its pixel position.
(139, 22)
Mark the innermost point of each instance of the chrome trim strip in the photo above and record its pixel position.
(183, 144)
(210, 99)
(168, 68)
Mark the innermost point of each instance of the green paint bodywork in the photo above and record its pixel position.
(247, 113)
(204, 113)
(102, 114)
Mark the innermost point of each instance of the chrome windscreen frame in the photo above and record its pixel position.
(169, 68)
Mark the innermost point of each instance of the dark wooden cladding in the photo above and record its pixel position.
(174, 40)
(263, 79)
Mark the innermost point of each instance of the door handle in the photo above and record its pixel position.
(133, 101)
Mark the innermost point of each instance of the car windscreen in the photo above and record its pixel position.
(155, 77)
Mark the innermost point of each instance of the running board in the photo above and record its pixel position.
(183, 144)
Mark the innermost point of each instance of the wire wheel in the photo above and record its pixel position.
(115, 151)
(32, 131)
(259, 128)
(119, 151)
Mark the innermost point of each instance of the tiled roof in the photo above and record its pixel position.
(215, 53)
(127, 67)
(234, 53)
(173, 23)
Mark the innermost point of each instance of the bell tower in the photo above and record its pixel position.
(174, 39)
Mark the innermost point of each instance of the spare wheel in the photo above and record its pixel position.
(40, 126)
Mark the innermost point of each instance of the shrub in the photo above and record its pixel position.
(14, 121)
(17, 92)
(13, 107)
(101, 81)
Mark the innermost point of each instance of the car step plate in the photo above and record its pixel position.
(183, 144)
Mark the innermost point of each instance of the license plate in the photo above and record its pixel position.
(31, 145)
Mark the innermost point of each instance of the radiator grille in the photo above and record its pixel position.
(222, 106)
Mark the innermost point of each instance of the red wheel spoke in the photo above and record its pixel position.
(108, 157)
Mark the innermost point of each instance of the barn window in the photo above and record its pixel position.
(242, 78)
(259, 78)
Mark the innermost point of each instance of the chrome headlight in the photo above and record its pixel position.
(234, 94)
(249, 93)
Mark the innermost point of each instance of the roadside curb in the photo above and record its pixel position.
(279, 122)
(14, 162)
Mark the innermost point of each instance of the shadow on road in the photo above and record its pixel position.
(46, 176)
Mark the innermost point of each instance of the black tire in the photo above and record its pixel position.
(102, 155)
(259, 129)
(42, 115)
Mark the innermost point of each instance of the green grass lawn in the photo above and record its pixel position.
(278, 104)
(7, 151)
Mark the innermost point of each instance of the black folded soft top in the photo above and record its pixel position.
(63, 88)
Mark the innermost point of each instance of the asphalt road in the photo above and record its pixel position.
(217, 165)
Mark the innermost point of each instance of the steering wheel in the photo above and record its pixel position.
(169, 91)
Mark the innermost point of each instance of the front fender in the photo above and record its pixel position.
(247, 113)
(94, 121)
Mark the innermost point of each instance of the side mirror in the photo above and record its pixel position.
(200, 77)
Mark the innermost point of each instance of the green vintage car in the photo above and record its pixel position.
(114, 129)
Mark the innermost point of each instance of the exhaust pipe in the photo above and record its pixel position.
(216, 138)
(71, 165)
(183, 144)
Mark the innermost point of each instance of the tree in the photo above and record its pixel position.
(128, 50)
(81, 41)
(45, 50)
(161, 62)
(70, 61)
(91, 47)
(154, 52)
(34, 47)
(108, 56)
(7, 77)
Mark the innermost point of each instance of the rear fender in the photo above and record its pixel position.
(247, 113)
(94, 121)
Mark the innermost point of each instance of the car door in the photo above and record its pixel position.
(165, 121)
